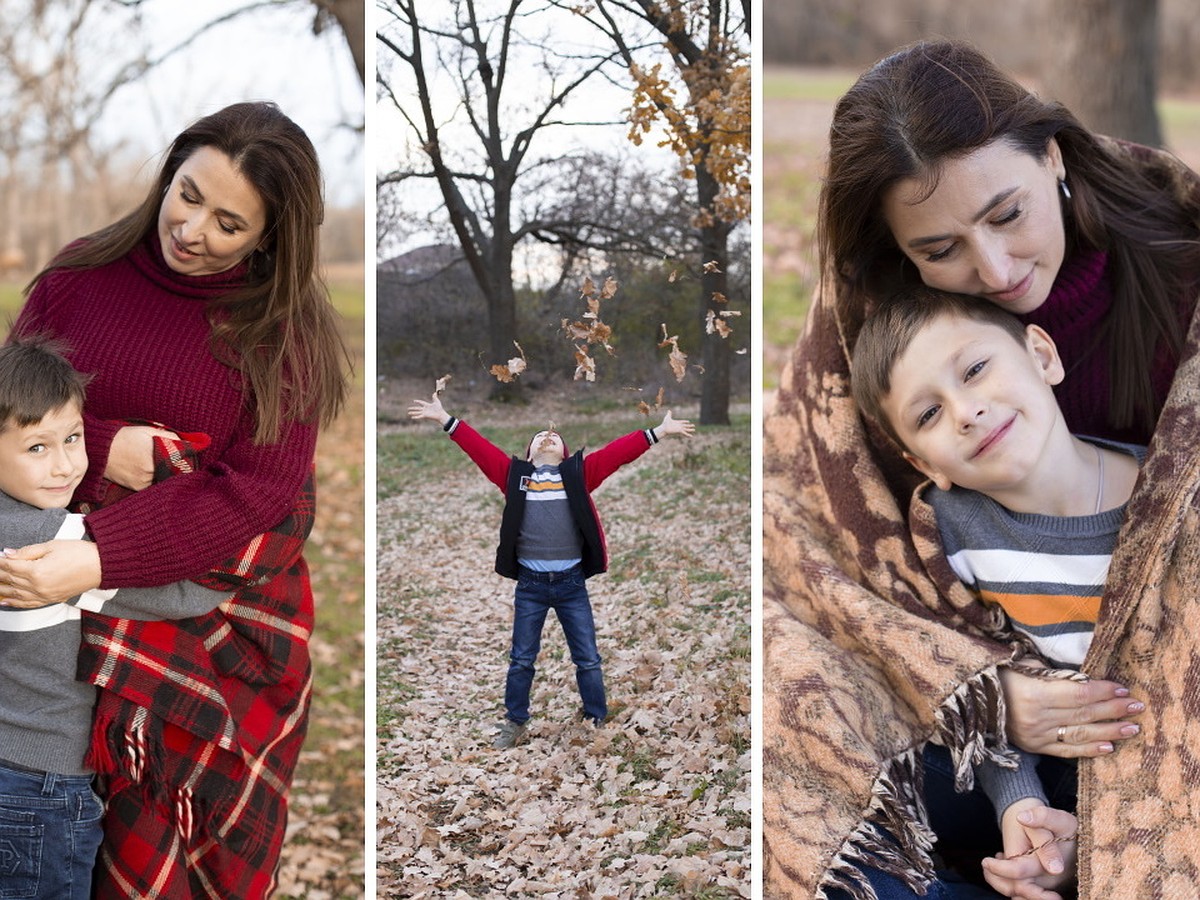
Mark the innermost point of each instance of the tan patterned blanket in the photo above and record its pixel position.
(869, 653)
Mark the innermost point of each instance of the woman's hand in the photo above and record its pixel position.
(41, 574)
(1068, 719)
(131, 456)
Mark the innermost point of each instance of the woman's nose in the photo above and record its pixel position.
(994, 267)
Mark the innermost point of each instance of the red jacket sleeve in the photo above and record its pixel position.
(599, 464)
(492, 461)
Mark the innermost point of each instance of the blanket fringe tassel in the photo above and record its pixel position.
(123, 755)
(894, 836)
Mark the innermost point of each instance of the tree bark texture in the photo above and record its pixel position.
(1105, 66)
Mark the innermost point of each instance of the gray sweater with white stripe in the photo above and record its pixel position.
(45, 714)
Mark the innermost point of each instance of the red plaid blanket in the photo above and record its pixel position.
(199, 721)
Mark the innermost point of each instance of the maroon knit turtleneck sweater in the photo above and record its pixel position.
(1073, 315)
(140, 329)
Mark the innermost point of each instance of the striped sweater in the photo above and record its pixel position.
(1046, 572)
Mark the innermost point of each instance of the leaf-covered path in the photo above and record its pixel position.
(654, 804)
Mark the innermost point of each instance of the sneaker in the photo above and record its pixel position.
(509, 734)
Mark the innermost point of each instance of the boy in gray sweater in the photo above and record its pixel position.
(1028, 513)
(50, 813)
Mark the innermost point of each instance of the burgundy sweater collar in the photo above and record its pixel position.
(147, 258)
(1081, 292)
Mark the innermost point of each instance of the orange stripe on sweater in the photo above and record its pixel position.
(1046, 609)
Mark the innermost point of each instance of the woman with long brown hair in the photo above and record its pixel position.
(887, 682)
(201, 310)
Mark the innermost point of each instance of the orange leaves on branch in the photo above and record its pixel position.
(709, 126)
(509, 371)
(677, 358)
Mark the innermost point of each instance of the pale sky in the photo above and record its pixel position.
(526, 88)
(265, 55)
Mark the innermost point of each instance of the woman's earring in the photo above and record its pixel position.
(1066, 191)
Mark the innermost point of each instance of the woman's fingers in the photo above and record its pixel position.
(1065, 718)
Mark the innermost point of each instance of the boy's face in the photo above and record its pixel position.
(42, 464)
(974, 407)
(546, 449)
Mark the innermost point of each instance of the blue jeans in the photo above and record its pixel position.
(50, 832)
(566, 593)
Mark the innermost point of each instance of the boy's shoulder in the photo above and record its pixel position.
(1137, 451)
(21, 523)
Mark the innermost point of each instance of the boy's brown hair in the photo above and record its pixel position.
(35, 379)
(891, 327)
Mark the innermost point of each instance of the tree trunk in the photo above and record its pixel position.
(351, 17)
(1106, 64)
(714, 243)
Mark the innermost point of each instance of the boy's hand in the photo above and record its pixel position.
(429, 410)
(675, 426)
(1028, 825)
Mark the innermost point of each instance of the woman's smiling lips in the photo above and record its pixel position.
(993, 437)
(180, 251)
(1016, 292)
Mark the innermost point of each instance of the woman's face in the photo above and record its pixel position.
(993, 227)
(211, 217)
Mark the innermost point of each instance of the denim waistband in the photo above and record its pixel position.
(550, 577)
(47, 778)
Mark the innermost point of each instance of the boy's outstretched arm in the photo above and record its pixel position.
(492, 461)
(670, 426)
(429, 409)
(1039, 852)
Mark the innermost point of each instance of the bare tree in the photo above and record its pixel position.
(58, 74)
(475, 141)
(1104, 65)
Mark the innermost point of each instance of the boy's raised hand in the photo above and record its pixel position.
(671, 425)
(432, 409)
(1039, 852)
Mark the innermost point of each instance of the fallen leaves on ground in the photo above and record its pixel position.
(322, 857)
(656, 803)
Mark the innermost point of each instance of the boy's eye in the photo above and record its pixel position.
(974, 370)
(37, 448)
(74, 438)
(926, 416)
